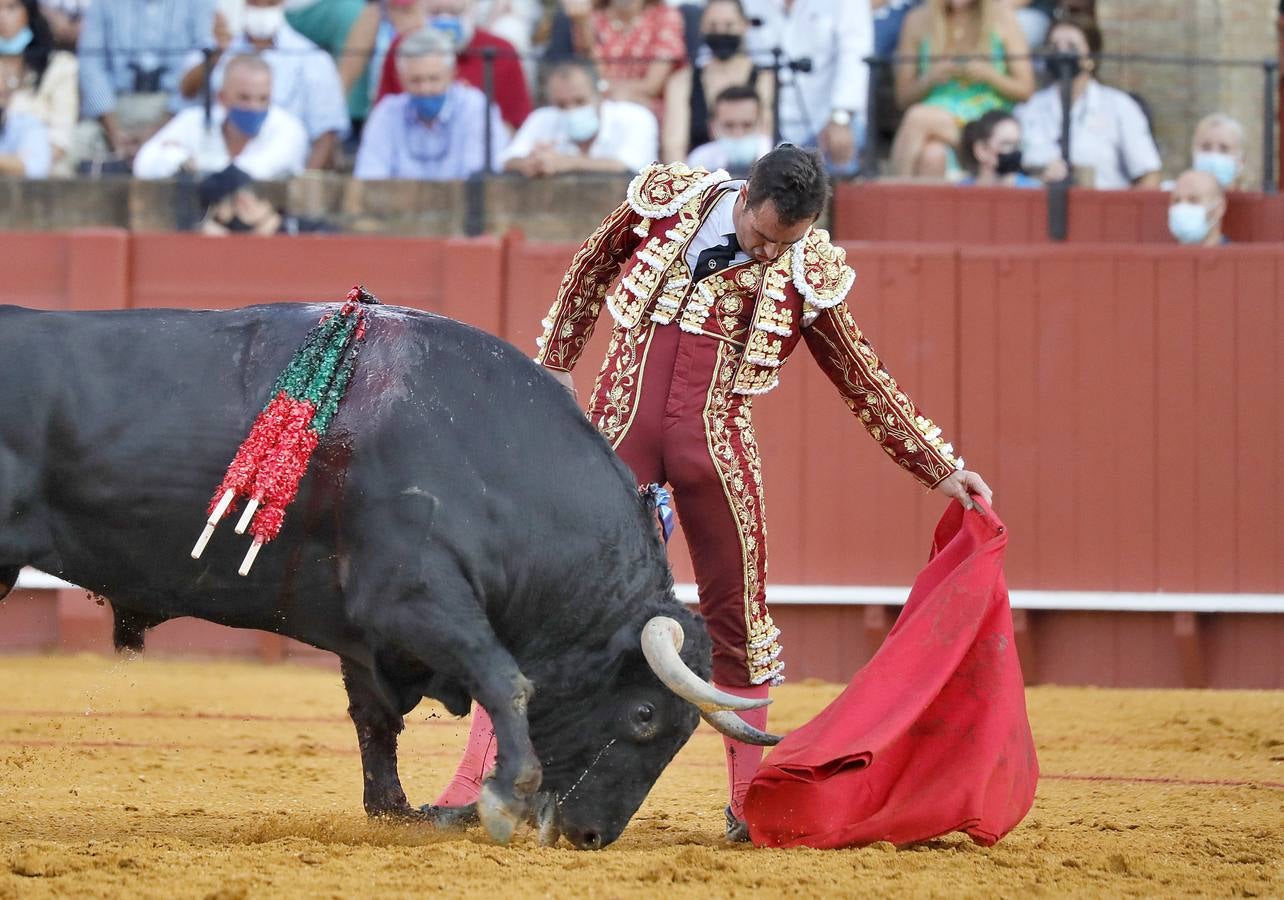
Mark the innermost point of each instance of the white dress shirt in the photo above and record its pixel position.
(717, 225)
(279, 150)
(836, 36)
(1108, 133)
(626, 132)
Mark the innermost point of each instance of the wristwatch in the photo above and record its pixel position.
(841, 117)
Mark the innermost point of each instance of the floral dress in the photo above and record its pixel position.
(625, 52)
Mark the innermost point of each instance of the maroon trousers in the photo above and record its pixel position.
(670, 414)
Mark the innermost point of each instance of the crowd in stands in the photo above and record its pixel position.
(398, 89)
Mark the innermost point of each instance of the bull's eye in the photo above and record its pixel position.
(644, 713)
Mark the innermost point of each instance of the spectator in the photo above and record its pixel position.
(245, 128)
(581, 132)
(45, 77)
(1109, 134)
(367, 49)
(690, 91)
(24, 143)
(1196, 209)
(131, 57)
(64, 18)
(513, 20)
(455, 18)
(436, 130)
(736, 127)
(939, 93)
(305, 81)
(889, 16)
(824, 89)
(991, 152)
(1035, 18)
(233, 207)
(1217, 147)
(637, 45)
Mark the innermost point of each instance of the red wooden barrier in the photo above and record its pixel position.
(1125, 402)
(879, 211)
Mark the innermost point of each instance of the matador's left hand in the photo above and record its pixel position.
(962, 485)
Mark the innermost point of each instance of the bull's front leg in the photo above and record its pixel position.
(452, 637)
(377, 729)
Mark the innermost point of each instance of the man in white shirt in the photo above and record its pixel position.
(581, 132)
(736, 127)
(305, 80)
(245, 128)
(825, 105)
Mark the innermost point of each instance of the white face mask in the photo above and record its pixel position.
(581, 123)
(263, 22)
(1188, 222)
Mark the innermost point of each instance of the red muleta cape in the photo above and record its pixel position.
(931, 736)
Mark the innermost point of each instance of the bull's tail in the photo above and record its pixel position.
(274, 457)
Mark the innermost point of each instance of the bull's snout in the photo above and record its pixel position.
(584, 839)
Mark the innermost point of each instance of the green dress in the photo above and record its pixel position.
(966, 100)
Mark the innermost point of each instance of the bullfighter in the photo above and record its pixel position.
(721, 280)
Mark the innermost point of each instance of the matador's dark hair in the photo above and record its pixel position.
(794, 180)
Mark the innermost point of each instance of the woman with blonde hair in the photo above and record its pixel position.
(968, 57)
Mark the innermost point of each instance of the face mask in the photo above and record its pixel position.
(237, 226)
(1063, 66)
(428, 106)
(459, 31)
(1008, 163)
(724, 46)
(263, 22)
(741, 151)
(16, 44)
(1221, 166)
(247, 121)
(1188, 222)
(581, 123)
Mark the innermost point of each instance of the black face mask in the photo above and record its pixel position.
(1063, 65)
(1008, 163)
(237, 226)
(724, 46)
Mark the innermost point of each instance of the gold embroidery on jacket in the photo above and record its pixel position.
(733, 448)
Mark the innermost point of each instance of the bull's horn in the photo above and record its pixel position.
(737, 728)
(661, 641)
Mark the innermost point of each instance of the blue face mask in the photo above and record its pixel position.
(452, 25)
(741, 151)
(1221, 166)
(581, 123)
(428, 106)
(1188, 222)
(16, 44)
(247, 121)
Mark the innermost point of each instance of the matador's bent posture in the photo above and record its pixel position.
(722, 279)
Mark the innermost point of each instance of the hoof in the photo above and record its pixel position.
(450, 818)
(500, 819)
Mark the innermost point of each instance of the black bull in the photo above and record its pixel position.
(463, 533)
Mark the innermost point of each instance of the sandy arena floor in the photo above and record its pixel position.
(169, 779)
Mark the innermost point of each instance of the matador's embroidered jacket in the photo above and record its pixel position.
(762, 309)
(754, 315)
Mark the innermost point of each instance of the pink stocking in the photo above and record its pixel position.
(742, 758)
(478, 760)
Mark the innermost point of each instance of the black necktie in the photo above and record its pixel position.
(714, 259)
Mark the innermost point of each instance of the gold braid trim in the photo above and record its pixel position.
(571, 319)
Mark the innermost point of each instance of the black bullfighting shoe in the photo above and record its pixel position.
(737, 831)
